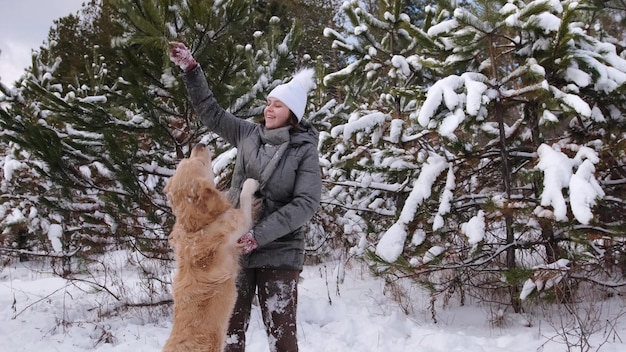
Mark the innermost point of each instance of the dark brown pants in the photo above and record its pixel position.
(278, 299)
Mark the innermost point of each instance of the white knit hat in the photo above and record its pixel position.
(294, 93)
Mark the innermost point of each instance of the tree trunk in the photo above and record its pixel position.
(551, 248)
(508, 217)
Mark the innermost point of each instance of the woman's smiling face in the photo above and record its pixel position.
(276, 114)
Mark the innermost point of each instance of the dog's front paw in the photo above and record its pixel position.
(250, 186)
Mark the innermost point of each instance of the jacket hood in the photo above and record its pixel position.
(306, 134)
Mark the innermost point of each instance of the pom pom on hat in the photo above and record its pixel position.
(294, 93)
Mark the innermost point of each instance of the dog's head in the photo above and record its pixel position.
(191, 191)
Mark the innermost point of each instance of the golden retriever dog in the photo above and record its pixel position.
(204, 239)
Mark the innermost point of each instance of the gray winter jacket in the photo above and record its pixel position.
(292, 192)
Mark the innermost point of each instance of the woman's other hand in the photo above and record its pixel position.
(247, 243)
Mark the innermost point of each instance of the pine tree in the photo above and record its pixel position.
(374, 141)
(542, 77)
(468, 107)
(312, 15)
(100, 142)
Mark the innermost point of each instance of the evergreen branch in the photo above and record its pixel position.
(365, 210)
(605, 284)
(40, 254)
(395, 188)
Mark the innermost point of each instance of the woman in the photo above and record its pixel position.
(281, 153)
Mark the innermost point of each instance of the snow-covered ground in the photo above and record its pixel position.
(42, 312)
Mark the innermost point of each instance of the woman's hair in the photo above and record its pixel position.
(293, 119)
(296, 126)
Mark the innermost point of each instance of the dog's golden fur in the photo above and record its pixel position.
(204, 239)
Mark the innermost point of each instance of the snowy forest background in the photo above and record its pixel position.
(473, 149)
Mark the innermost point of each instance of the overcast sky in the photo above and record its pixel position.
(24, 26)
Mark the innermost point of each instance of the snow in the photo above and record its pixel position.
(418, 237)
(54, 235)
(548, 21)
(445, 201)
(94, 99)
(443, 27)
(391, 244)
(435, 97)
(459, 94)
(558, 174)
(573, 101)
(339, 310)
(358, 30)
(584, 192)
(558, 171)
(422, 187)
(450, 123)
(395, 130)
(10, 166)
(579, 77)
(401, 63)
(15, 217)
(432, 254)
(365, 123)
(475, 91)
(474, 229)
(545, 279)
(548, 116)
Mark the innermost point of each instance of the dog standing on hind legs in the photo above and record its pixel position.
(204, 238)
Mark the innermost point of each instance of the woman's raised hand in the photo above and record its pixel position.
(181, 56)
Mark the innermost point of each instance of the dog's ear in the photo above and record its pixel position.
(200, 191)
(176, 193)
(198, 204)
(211, 201)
